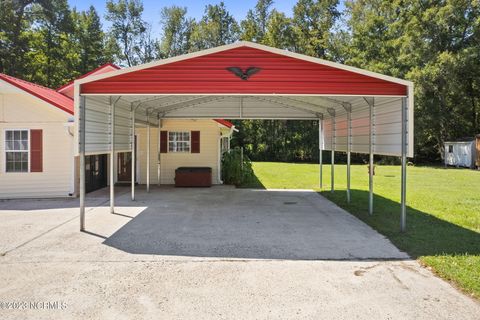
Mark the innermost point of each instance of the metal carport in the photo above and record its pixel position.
(358, 111)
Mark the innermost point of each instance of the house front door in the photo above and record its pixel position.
(124, 168)
(124, 165)
(95, 172)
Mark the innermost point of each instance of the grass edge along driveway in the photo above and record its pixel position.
(443, 210)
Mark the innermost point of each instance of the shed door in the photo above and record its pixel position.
(464, 155)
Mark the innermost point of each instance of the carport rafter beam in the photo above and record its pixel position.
(154, 98)
(170, 103)
(285, 105)
(306, 103)
(187, 104)
(331, 100)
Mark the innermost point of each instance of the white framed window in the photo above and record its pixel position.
(224, 144)
(17, 150)
(178, 141)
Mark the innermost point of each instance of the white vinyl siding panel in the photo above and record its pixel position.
(19, 110)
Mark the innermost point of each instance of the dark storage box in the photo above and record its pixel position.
(193, 177)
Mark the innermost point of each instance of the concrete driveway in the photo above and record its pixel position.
(219, 253)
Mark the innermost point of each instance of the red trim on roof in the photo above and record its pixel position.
(225, 123)
(46, 94)
(89, 73)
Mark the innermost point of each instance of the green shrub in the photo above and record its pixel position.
(233, 170)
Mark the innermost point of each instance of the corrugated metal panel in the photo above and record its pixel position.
(387, 117)
(279, 75)
(98, 125)
(386, 129)
(97, 130)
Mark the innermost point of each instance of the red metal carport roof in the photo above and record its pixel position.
(282, 72)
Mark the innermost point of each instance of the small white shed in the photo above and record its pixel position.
(460, 153)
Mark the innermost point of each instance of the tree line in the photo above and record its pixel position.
(435, 44)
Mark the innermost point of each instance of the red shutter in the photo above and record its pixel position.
(36, 150)
(163, 141)
(195, 141)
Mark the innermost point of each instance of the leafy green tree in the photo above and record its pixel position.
(436, 45)
(126, 30)
(313, 22)
(217, 27)
(15, 20)
(90, 41)
(148, 48)
(254, 27)
(176, 31)
(50, 58)
(279, 32)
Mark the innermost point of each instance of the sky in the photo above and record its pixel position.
(151, 14)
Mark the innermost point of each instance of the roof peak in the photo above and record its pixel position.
(108, 64)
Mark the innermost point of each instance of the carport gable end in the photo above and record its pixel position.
(278, 72)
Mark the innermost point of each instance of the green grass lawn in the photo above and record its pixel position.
(443, 215)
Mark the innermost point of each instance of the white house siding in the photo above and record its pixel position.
(19, 110)
(208, 156)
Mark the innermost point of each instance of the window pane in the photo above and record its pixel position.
(179, 141)
(24, 135)
(9, 135)
(16, 135)
(24, 166)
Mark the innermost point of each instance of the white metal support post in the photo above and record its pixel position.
(331, 111)
(134, 151)
(371, 150)
(82, 160)
(320, 149)
(159, 168)
(348, 108)
(148, 151)
(403, 216)
(113, 102)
